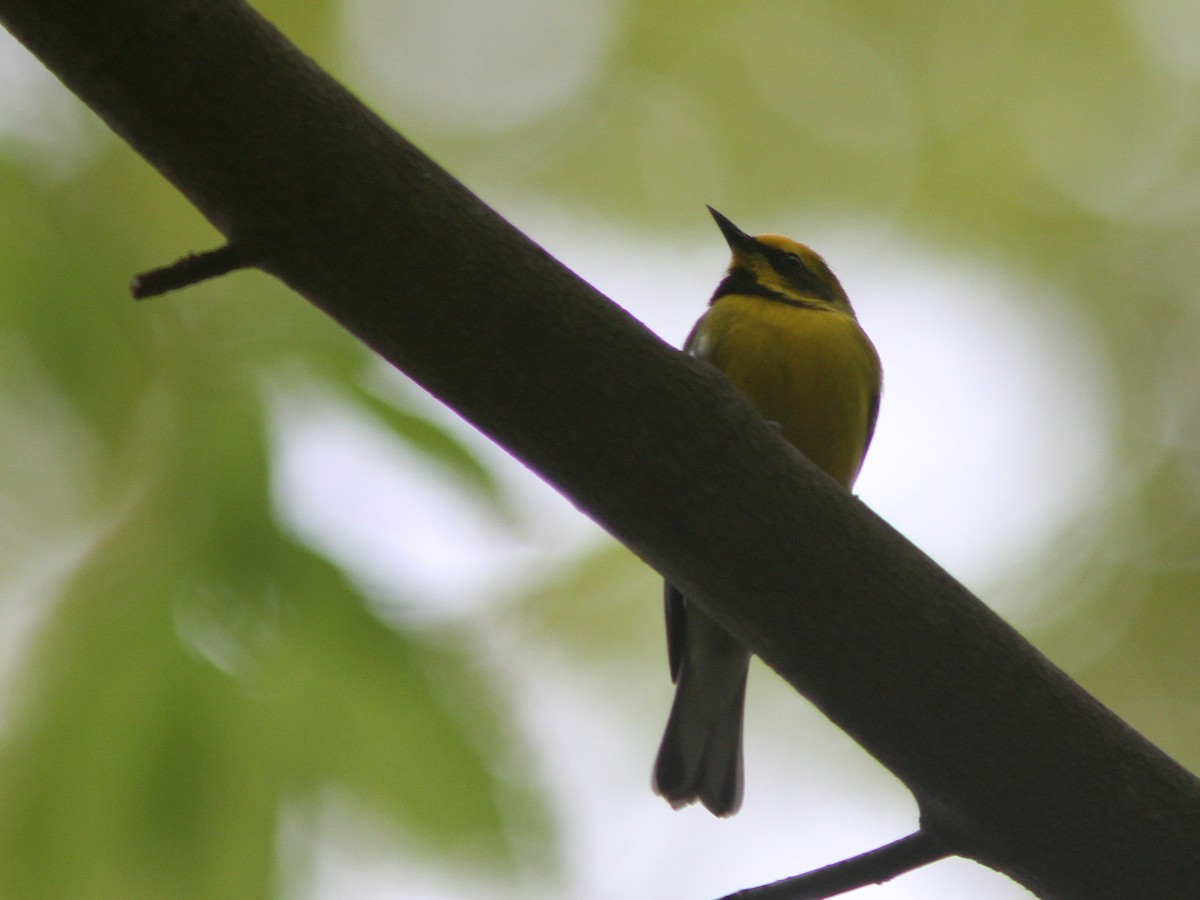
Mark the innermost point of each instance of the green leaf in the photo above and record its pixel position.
(133, 769)
(605, 605)
(404, 725)
(438, 444)
(176, 706)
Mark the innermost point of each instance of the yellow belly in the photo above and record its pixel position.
(813, 371)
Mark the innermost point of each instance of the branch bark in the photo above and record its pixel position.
(1011, 762)
(874, 867)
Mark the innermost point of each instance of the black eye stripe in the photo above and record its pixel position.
(781, 261)
(793, 269)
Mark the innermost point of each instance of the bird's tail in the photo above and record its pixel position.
(701, 753)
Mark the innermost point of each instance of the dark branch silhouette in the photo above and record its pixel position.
(874, 867)
(1011, 762)
(191, 269)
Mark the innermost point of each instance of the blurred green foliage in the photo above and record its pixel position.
(188, 678)
(191, 682)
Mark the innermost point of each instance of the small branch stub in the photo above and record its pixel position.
(873, 867)
(191, 269)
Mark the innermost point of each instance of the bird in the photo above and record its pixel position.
(782, 329)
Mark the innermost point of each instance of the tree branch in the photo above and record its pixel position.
(874, 867)
(191, 269)
(1010, 761)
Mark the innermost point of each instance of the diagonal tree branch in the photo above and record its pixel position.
(1011, 762)
(874, 867)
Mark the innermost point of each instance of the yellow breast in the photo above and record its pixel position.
(814, 371)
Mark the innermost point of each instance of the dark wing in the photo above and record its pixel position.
(675, 608)
(872, 415)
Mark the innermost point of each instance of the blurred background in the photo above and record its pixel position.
(275, 623)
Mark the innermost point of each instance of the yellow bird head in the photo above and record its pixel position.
(778, 267)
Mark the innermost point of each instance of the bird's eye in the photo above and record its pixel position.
(793, 261)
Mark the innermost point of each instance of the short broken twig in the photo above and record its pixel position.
(193, 268)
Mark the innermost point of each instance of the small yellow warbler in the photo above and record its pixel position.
(783, 331)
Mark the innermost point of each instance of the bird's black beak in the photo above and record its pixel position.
(738, 240)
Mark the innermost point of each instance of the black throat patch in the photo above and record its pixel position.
(742, 281)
